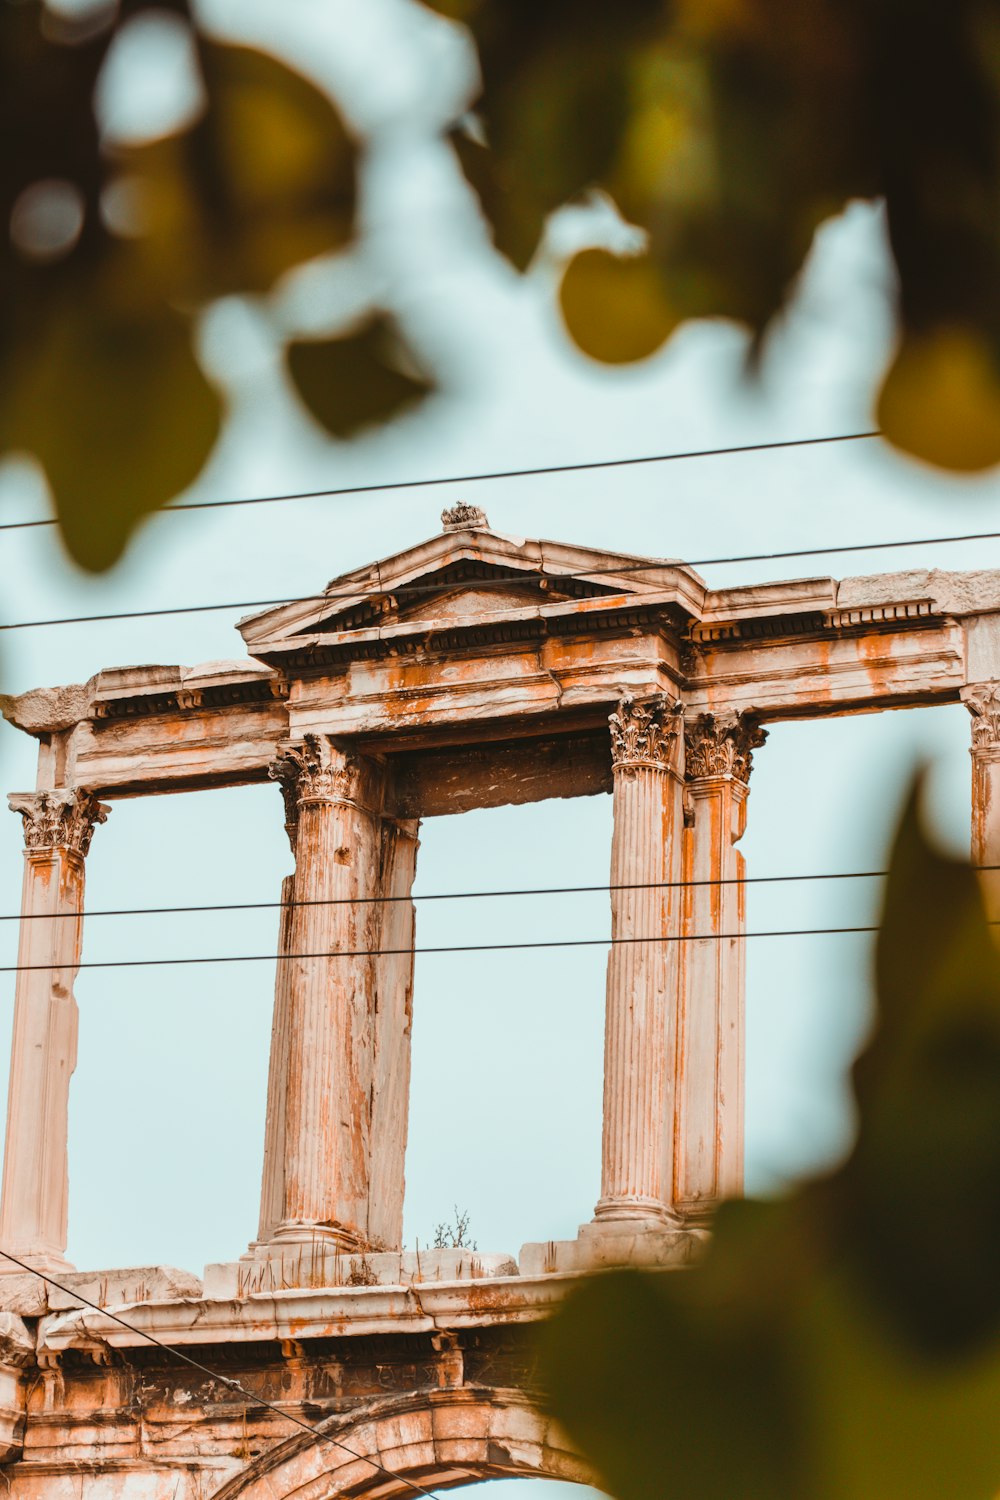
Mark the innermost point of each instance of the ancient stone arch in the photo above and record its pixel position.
(439, 1439)
(470, 670)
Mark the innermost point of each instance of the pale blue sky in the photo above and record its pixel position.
(167, 1107)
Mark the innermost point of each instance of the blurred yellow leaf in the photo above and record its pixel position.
(615, 308)
(349, 383)
(941, 399)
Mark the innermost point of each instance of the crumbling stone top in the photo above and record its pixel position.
(462, 516)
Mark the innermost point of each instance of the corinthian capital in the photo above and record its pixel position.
(644, 734)
(722, 745)
(314, 769)
(63, 819)
(982, 699)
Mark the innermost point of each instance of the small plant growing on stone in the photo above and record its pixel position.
(362, 1271)
(454, 1235)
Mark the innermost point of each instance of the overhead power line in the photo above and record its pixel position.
(251, 1397)
(419, 484)
(262, 958)
(528, 576)
(549, 890)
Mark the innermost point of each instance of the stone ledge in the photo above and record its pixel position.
(30, 1297)
(298, 1314)
(275, 1268)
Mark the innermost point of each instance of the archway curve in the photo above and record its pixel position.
(437, 1438)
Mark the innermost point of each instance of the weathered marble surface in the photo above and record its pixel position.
(471, 670)
(90, 1410)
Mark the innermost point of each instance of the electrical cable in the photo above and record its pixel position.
(544, 890)
(528, 576)
(534, 473)
(261, 958)
(315, 1432)
(550, 890)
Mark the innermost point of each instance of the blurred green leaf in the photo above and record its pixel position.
(553, 106)
(677, 1384)
(114, 405)
(263, 181)
(351, 382)
(920, 1196)
(97, 374)
(845, 1343)
(729, 130)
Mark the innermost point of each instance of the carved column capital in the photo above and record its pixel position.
(722, 745)
(982, 699)
(63, 819)
(315, 770)
(645, 734)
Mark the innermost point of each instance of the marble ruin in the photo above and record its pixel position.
(472, 670)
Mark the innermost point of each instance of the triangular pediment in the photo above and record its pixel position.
(465, 589)
(465, 577)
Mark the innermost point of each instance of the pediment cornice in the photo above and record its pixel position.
(470, 581)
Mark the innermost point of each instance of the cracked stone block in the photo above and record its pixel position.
(123, 1288)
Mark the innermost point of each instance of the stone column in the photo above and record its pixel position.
(327, 994)
(709, 1095)
(983, 702)
(393, 1029)
(58, 827)
(640, 1018)
(272, 1188)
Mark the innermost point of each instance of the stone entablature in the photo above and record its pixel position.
(568, 633)
(447, 1364)
(471, 670)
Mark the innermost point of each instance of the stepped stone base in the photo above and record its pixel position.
(273, 1268)
(601, 1246)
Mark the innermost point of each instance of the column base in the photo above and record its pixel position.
(620, 1243)
(633, 1213)
(698, 1213)
(325, 1236)
(49, 1262)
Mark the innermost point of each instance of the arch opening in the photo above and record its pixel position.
(438, 1440)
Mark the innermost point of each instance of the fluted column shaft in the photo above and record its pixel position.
(272, 1191)
(640, 1016)
(709, 1094)
(393, 1032)
(983, 702)
(338, 1086)
(328, 994)
(58, 826)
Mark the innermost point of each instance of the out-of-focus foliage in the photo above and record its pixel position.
(728, 130)
(845, 1343)
(352, 381)
(615, 306)
(110, 250)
